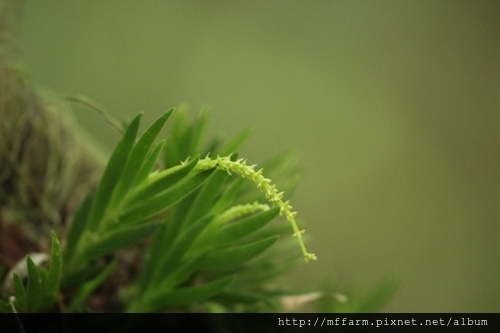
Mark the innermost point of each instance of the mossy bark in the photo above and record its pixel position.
(45, 168)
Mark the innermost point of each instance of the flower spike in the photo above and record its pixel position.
(264, 185)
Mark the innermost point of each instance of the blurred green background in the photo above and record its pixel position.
(394, 107)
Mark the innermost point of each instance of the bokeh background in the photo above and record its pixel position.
(394, 107)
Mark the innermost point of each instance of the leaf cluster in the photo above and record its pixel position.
(42, 288)
(198, 236)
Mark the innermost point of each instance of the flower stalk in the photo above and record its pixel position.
(265, 185)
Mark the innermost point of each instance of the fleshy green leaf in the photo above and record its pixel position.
(76, 277)
(160, 182)
(20, 292)
(182, 272)
(121, 239)
(53, 281)
(236, 255)
(264, 270)
(164, 200)
(236, 230)
(137, 157)
(228, 196)
(220, 233)
(177, 147)
(112, 174)
(42, 272)
(180, 247)
(153, 256)
(235, 144)
(76, 229)
(149, 163)
(35, 288)
(212, 146)
(206, 196)
(197, 131)
(188, 295)
(87, 288)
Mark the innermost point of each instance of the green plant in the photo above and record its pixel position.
(205, 232)
(179, 224)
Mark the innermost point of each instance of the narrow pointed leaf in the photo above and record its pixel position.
(121, 239)
(76, 278)
(112, 174)
(161, 181)
(227, 198)
(212, 147)
(235, 144)
(265, 270)
(188, 295)
(158, 246)
(76, 229)
(181, 246)
(178, 216)
(164, 200)
(34, 289)
(236, 255)
(245, 226)
(137, 157)
(149, 163)
(55, 270)
(87, 288)
(20, 293)
(197, 130)
(206, 196)
(177, 142)
(220, 233)
(182, 272)
(42, 272)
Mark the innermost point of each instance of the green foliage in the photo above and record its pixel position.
(43, 286)
(201, 240)
(204, 237)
